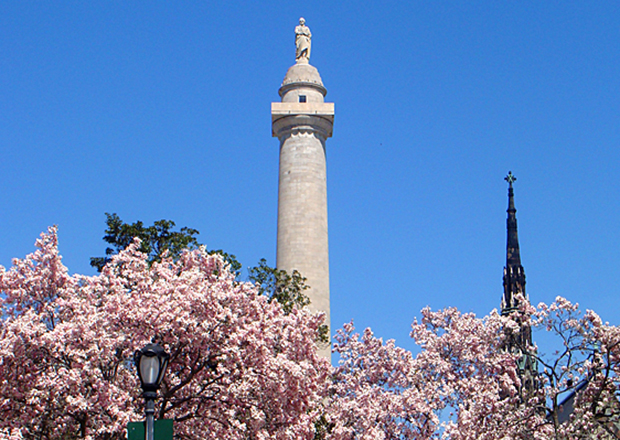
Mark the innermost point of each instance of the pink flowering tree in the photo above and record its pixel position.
(464, 384)
(461, 385)
(581, 376)
(378, 392)
(240, 366)
(244, 368)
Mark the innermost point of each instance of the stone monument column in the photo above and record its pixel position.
(302, 122)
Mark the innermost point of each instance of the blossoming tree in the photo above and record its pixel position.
(464, 384)
(243, 367)
(240, 366)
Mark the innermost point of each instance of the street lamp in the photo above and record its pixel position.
(151, 363)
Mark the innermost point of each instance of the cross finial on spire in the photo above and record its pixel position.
(510, 178)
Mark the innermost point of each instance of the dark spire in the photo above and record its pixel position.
(514, 275)
(514, 284)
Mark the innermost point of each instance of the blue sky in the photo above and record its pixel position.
(162, 110)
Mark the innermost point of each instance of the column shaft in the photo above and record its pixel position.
(302, 214)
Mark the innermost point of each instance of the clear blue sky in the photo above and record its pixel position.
(156, 109)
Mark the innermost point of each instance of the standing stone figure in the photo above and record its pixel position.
(302, 42)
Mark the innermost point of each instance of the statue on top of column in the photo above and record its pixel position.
(303, 38)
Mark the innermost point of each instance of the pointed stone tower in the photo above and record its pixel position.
(302, 122)
(514, 286)
(514, 275)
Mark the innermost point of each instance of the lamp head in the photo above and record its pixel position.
(151, 363)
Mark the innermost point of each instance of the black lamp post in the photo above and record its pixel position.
(151, 363)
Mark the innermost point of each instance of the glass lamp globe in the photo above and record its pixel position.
(151, 363)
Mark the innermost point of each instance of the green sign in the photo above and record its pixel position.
(162, 431)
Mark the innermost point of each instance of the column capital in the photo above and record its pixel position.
(315, 117)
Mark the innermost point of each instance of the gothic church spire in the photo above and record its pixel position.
(514, 275)
(514, 285)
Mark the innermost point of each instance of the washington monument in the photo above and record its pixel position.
(302, 122)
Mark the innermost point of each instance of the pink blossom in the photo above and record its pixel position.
(239, 365)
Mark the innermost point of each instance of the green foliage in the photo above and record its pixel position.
(154, 240)
(278, 285)
(323, 336)
(235, 266)
(322, 427)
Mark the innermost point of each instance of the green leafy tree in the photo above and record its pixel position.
(155, 240)
(278, 285)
